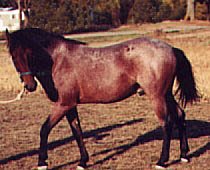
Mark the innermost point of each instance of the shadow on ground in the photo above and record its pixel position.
(196, 129)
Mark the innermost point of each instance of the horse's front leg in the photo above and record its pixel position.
(73, 119)
(52, 120)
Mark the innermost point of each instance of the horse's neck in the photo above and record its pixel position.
(45, 79)
(48, 85)
(44, 75)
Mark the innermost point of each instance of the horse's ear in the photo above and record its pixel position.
(7, 35)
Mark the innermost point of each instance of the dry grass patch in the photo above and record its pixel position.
(9, 80)
(197, 50)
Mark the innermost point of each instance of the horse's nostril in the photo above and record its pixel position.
(31, 87)
(26, 86)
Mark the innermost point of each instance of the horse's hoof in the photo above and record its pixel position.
(80, 168)
(42, 168)
(184, 160)
(160, 167)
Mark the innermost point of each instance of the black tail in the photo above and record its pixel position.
(186, 83)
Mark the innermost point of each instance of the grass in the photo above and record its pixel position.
(9, 80)
(118, 136)
(2, 36)
(197, 50)
(109, 39)
(3, 47)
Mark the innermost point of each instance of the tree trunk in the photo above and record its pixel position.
(125, 7)
(20, 14)
(26, 12)
(190, 14)
(116, 14)
(208, 8)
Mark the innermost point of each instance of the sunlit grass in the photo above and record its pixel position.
(107, 40)
(3, 47)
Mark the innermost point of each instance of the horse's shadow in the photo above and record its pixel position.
(195, 128)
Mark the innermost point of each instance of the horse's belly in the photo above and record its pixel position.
(108, 94)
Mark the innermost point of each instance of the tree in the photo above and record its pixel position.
(208, 9)
(190, 13)
(23, 6)
(207, 3)
(46, 14)
(191, 6)
(26, 12)
(125, 7)
(8, 3)
(149, 11)
(178, 9)
(60, 16)
(20, 14)
(105, 12)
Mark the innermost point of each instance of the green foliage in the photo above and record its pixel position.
(164, 12)
(106, 12)
(201, 11)
(125, 8)
(3, 3)
(178, 9)
(7, 3)
(149, 11)
(72, 15)
(59, 17)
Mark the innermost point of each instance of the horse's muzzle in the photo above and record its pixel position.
(31, 87)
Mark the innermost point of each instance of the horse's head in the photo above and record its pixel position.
(20, 57)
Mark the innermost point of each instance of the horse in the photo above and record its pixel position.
(73, 73)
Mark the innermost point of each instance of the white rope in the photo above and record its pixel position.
(42, 168)
(18, 97)
(80, 168)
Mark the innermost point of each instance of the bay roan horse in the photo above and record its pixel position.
(72, 73)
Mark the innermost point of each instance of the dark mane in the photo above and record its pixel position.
(41, 37)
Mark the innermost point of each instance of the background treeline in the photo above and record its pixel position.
(65, 16)
(79, 15)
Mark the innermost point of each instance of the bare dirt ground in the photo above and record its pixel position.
(119, 136)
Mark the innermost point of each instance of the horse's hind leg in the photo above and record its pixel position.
(73, 119)
(181, 123)
(178, 116)
(161, 109)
